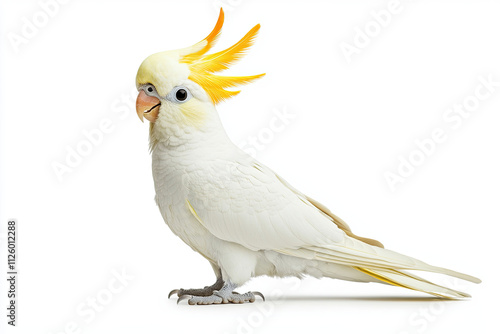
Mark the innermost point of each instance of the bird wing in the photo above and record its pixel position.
(247, 203)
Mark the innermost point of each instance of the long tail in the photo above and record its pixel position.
(382, 264)
(410, 281)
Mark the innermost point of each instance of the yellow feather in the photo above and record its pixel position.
(193, 212)
(226, 81)
(203, 66)
(205, 44)
(221, 60)
(218, 94)
(214, 84)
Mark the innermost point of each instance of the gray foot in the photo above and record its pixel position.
(206, 291)
(223, 296)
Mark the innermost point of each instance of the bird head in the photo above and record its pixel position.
(178, 89)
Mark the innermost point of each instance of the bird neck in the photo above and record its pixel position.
(208, 138)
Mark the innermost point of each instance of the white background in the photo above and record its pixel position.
(351, 122)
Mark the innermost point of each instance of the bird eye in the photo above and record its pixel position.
(180, 94)
(149, 90)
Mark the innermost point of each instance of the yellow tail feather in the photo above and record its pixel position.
(412, 282)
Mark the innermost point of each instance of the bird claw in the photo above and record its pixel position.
(174, 291)
(257, 293)
(183, 297)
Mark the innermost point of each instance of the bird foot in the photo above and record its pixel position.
(206, 291)
(222, 297)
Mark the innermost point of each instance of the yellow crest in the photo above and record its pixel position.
(202, 66)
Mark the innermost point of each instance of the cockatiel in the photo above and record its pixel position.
(237, 213)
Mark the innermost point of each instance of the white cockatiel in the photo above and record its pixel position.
(237, 213)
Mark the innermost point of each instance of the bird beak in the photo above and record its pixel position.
(147, 107)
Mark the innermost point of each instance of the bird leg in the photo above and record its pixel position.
(223, 296)
(206, 291)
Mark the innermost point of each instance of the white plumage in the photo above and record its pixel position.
(246, 220)
(236, 212)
